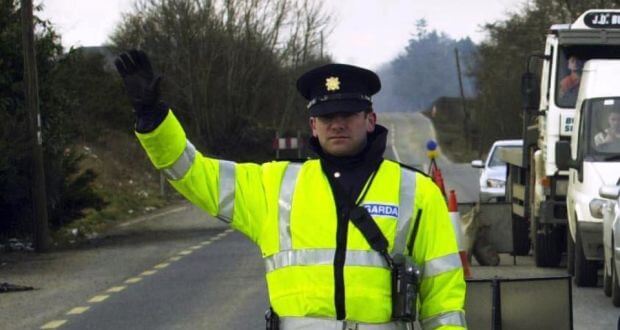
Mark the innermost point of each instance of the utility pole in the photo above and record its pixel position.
(31, 92)
(465, 113)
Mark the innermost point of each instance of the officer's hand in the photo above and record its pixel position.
(140, 82)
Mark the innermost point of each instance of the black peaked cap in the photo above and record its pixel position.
(335, 88)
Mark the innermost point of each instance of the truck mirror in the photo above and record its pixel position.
(609, 191)
(477, 164)
(530, 93)
(562, 155)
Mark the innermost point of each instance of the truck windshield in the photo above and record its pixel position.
(603, 127)
(569, 67)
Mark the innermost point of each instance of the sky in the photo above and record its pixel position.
(365, 32)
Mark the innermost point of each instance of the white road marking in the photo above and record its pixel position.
(175, 258)
(133, 280)
(151, 217)
(99, 298)
(148, 272)
(54, 324)
(186, 252)
(78, 310)
(162, 265)
(116, 289)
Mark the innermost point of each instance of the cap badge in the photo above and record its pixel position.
(332, 84)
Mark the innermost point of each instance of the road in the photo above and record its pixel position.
(181, 269)
(409, 133)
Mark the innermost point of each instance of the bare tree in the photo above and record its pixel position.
(230, 65)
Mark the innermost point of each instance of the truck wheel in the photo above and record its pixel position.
(585, 271)
(615, 284)
(570, 253)
(547, 252)
(520, 236)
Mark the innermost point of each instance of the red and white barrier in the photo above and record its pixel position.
(286, 143)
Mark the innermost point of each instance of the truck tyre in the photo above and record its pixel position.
(570, 253)
(607, 280)
(615, 284)
(520, 236)
(547, 252)
(586, 273)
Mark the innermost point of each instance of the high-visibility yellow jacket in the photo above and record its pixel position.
(288, 210)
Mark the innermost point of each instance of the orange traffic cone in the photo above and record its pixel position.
(435, 174)
(453, 208)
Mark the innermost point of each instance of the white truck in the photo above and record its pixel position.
(536, 187)
(592, 158)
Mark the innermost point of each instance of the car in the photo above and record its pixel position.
(609, 209)
(493, 174)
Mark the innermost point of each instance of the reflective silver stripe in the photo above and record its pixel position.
(449, 318)
(405, 209)
(441, 265)
(181, 166)
(285, 201)
(227, 191)
(312, 323)
(315, 257)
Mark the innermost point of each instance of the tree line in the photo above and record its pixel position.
(229, 70)
(425, 71)
(501, 60)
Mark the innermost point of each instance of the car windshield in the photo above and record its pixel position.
(603, 127)
(495, 160)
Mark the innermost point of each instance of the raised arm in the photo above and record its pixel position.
(232, 192)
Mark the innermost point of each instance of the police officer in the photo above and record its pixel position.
(330, 230)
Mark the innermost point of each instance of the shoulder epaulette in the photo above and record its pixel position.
(293, 160)
(412, 168)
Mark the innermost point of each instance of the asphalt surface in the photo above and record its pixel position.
(408, 135)
(181, 269)
(218, 286)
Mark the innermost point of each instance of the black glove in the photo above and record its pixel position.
(143, 89)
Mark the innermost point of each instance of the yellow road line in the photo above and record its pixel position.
(116, 289)
(54, 324)
(133, 280)
(186, 252)
(148, 273)
(78, 310)
(162, 265)
(99, 298)
(176, 258)
(195, 247)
